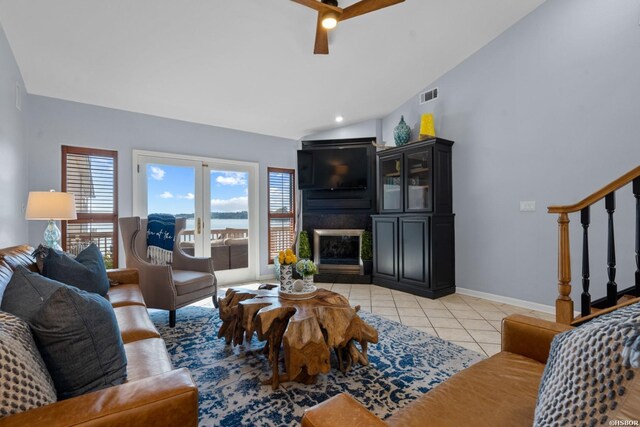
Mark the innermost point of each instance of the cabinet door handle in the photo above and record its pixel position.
(199, 226)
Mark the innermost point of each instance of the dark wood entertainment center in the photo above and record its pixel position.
(413, 234)
(407, 204)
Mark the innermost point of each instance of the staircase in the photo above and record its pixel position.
(615, 298)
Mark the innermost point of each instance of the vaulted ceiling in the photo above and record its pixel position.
(245, 64)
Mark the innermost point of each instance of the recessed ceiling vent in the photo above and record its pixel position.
(429, 95)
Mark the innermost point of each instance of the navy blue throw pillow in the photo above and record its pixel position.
(85, 272)
(76, 332)
(26, 292)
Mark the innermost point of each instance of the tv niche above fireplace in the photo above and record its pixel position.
(338, 251)
(338, 176)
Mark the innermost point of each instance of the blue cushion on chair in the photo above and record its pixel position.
(86, 272)
(76, 332)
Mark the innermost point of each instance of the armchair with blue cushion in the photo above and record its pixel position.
(168, 287)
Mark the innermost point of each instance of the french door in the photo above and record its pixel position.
(218, 199)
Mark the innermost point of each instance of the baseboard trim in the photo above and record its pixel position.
(507, 300)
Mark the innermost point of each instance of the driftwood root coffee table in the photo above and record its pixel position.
(306, 329)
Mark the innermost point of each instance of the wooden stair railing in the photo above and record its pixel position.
(564, 304)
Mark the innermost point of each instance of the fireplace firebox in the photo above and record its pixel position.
(337, 251)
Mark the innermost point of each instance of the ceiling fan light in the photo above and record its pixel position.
(329, 20)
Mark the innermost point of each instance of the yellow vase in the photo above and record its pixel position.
(427, 128)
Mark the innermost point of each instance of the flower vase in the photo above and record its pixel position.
(402, 132)
(286, 278)
(308, 281)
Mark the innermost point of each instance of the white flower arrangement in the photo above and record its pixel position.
(306, 267)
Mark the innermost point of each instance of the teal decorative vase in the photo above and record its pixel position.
(402, 132)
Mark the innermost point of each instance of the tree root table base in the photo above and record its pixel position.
(307, 330)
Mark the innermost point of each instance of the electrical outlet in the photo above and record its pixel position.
(528, 206)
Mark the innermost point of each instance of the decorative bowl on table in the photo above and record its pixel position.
(299, 291)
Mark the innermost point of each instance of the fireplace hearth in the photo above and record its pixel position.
(337, 251)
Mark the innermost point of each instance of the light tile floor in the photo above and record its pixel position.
(468, 321)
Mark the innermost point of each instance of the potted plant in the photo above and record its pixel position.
(307, 269)
(366, 253)
(304, 248)
(284, 264)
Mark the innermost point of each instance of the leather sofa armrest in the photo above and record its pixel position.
(169, 399)
(341, 410)
(529, 336)
(122, 276)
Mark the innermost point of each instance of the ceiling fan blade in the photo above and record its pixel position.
(322, 38)
(320, 7)
(365, 6)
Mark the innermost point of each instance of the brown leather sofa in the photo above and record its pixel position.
(499, 391)
(154, 394)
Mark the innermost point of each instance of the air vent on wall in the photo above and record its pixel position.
(429, 95)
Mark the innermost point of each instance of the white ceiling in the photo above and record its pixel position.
(245, 64)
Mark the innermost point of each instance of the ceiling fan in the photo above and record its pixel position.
(329, 14)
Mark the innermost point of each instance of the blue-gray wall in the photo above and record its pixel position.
(549, 111)
(53, 123)
(13, 154)
(369, 128)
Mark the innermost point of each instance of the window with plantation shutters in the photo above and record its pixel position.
(281, 210)
(92, 176)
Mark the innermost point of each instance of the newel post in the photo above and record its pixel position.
(564, 304)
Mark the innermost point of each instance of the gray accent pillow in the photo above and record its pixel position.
(86, 272)
(76, 332)
(24, 381)
(586, 380)
(26, 292)
(79, 340)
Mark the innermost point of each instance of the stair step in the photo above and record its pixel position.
(626, 298)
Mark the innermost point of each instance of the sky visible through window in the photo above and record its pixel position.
(170, 189)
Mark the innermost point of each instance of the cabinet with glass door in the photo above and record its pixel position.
(391, 185)
(418, 177)
(413, 234)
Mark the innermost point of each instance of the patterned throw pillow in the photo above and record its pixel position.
(24, 381)
(40, 253)
(587, 380)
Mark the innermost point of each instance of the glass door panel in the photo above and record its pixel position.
(171, 187)
(418, 175)
(229, 218)
(218, 200)
(391, 184)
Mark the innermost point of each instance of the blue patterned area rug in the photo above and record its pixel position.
(404, 364)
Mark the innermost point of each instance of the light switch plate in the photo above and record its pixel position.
(528, 206)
